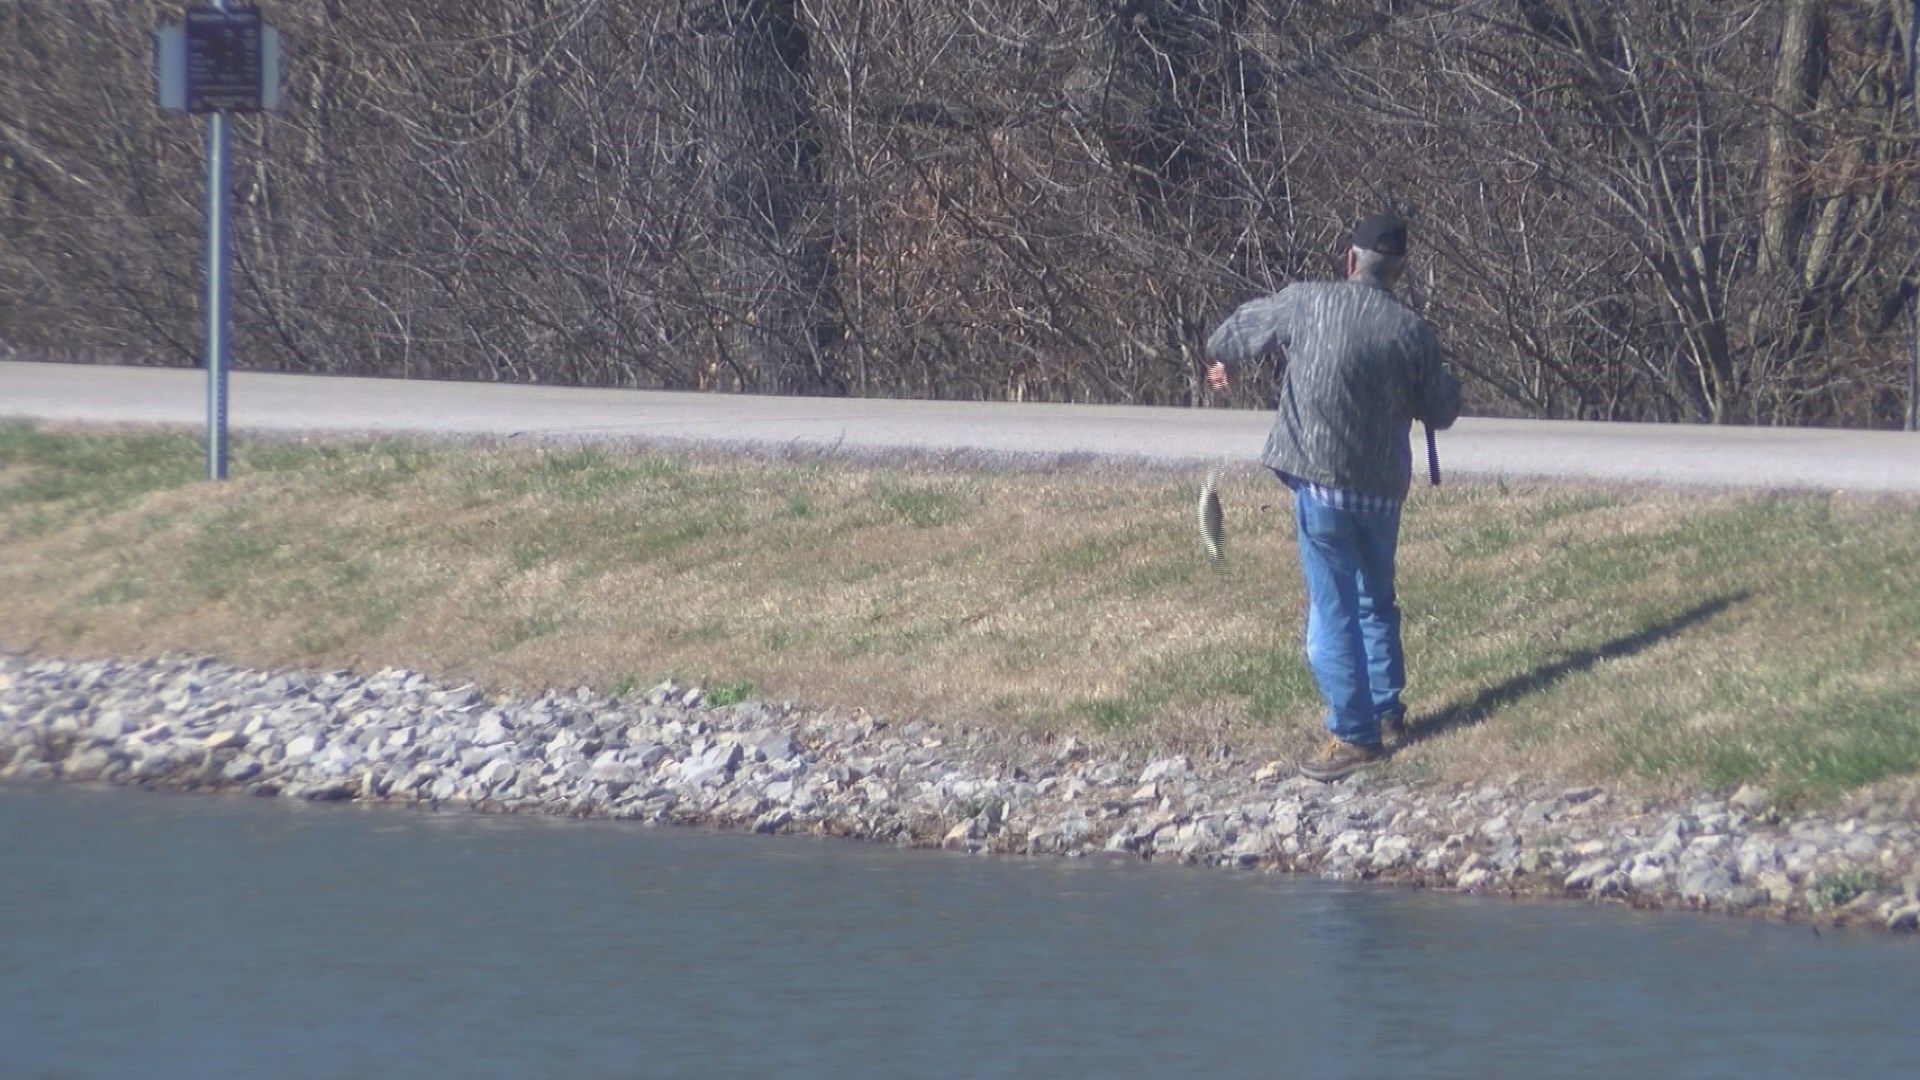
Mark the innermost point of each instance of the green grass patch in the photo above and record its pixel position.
(1842, 887)
(720, 695)
(1646, 638)
(921, 505)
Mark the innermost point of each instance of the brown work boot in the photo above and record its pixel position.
(1393, 723)
(1338, 758)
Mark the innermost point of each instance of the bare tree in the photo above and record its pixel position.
(1640, 209)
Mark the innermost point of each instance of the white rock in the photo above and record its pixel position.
(491, 730)
(301, 747)
(1164, 768)
(773, 820)
(111, 724)
(220, 740)
(89, 764)
(773, 745)
(608, 768)
(702, 773)
(1391, 851)
(1646, 876)
(962, 834)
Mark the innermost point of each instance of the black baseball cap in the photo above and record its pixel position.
(1384, 233)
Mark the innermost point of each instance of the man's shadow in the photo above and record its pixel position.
(1494, 698)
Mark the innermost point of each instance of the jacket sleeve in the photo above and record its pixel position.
(1257, 329)
(1436, 390)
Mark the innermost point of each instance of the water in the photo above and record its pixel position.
(161, 935)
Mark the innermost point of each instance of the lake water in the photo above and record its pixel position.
(153, 935)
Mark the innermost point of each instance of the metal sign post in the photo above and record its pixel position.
(221, 59)
(217, 200)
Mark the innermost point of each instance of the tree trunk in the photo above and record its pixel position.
(777, 266)
(1796, 80)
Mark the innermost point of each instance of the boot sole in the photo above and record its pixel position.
(1330, 775)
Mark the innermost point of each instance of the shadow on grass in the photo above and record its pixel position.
(1494, 698)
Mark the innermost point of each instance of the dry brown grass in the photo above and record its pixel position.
(1580, 632)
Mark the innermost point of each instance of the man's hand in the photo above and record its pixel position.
(1217, 376)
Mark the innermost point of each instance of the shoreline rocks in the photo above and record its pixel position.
(669, 757)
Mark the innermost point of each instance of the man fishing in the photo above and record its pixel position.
(1360, 367)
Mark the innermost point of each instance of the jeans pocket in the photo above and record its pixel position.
(1320, 522)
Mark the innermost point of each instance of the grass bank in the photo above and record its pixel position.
(1665, 639)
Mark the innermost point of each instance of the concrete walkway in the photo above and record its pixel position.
(1860, 461)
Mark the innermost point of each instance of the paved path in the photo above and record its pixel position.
(1745, 457)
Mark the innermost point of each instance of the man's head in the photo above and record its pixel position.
(1379, 250)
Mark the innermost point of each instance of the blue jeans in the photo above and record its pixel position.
(1353, 621)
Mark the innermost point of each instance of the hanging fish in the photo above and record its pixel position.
(1212, 521)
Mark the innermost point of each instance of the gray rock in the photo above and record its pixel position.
(29, 770)
(156, 733)
(1706, 885)
(225, 739)
(1587, 873)
(89, 764)
(495, 773)
(304, 746)
(1166, 768)
(397, 736)
(491, 730)
(1861, 847)
(704, 771)
(614, 772)
(1064, 835)
(647, 755)
(964, 833)
(111, 725)
(1390, 852)
(1537, 861)
(1613, 884)
(772, 745)
(773, 820)
(1538, 813)
(1646, 877)
(1250, 848)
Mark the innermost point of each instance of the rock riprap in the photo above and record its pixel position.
(397, 736)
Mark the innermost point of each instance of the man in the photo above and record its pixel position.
(1360, 368)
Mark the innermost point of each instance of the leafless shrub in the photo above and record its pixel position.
(1649, 209)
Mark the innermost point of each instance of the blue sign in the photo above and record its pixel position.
(218, 60)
